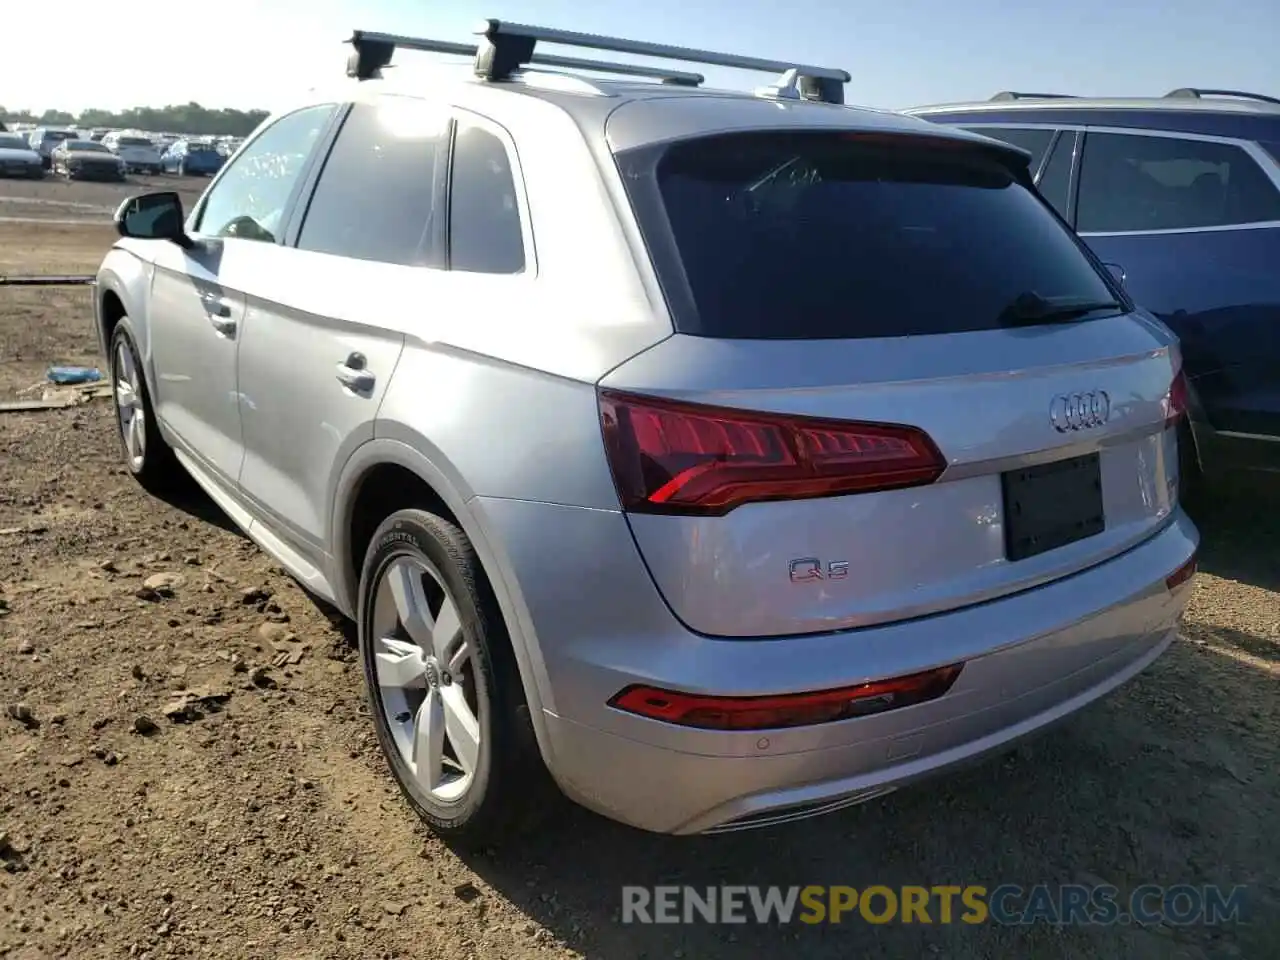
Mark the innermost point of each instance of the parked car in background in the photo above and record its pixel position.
(803, 538)
(86, 160)
(44, 139)
(1182, 194)
(137, 151)
(17, 159)
(192, 158)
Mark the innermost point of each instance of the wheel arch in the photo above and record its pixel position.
(385, 475)
(120, 292)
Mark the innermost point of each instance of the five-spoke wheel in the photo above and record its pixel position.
(444, 689)
(426, 678)
(129, 408)
(146, 454)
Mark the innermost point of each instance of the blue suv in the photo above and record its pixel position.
(1181, 196)
(192, 158)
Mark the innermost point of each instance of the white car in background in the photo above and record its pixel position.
(137, 151)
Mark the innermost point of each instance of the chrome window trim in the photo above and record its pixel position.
(1222, 228)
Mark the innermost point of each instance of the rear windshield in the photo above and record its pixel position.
(134, 142)
(822, 235)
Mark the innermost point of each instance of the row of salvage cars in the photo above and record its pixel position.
(77, 156)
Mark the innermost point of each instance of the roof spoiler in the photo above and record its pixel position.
(506, 47)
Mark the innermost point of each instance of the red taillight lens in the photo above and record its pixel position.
(786, 710)
(1177, 400)
(1182, 575)
(674, 457)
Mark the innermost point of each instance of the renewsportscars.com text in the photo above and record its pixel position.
(1006, 905)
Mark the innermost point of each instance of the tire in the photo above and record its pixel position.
(152, 463)
(478, 795)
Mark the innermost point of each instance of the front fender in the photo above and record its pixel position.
(125, 273)
(382, 451)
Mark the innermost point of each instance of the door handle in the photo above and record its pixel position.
(215, 305)
(353, 375)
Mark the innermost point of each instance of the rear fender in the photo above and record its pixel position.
(515, 613)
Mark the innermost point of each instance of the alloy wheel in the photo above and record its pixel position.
(429, 689)
(129, 408)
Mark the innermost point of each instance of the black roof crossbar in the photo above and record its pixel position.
(1015, 95)
(373, 52)
(1198, 92)
(506, 47)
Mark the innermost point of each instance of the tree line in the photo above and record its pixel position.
(190, 118)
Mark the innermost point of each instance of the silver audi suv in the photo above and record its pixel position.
(729, 457)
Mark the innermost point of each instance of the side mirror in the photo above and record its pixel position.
(1117, 271)
(153, 216)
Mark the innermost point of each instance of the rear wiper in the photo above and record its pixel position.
(1029, 307)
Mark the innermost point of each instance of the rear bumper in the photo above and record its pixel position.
(593, 623)
(674, 792)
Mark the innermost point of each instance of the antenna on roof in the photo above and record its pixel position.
(1196, 93)
(506, 47)
(1015, 95)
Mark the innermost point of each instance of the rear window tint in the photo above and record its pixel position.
(818, 236)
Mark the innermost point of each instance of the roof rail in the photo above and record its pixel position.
(1015, 95)
(1198, 92)
(505, 47)
(371, 48)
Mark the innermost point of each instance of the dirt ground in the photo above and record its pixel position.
(187, 769)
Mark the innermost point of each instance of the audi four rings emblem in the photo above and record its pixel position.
(1079, 411)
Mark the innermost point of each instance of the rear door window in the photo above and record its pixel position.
(821, 235)
(376, 196)
(1131, 183)
(1034, 141)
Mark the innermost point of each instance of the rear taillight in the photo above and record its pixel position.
(673, 457)
(786, 710)
(1177, 400)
